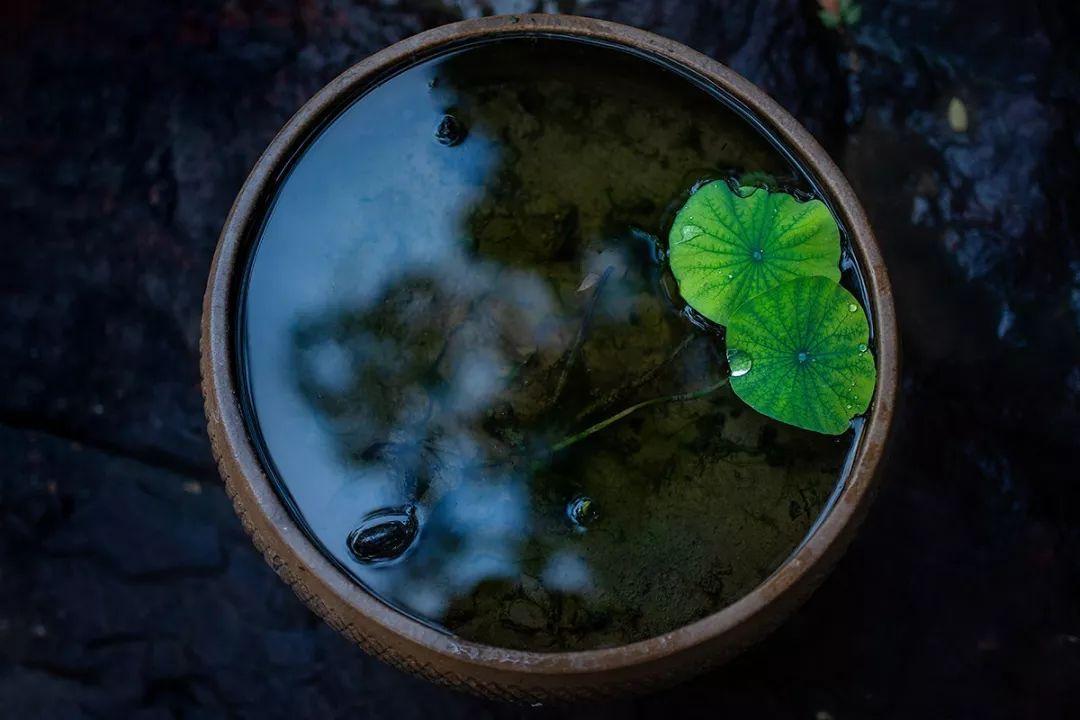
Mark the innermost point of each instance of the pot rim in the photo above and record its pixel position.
(389, 632)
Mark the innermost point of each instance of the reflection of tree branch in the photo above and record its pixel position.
(583, 331)
(626, 388)
(474, 303)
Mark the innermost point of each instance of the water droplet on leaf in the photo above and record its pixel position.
(862, 347)
(689, 232)
(739, 361)
(852, 307)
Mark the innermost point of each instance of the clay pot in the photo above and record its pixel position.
(411, 645)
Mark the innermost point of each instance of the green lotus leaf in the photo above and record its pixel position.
(726, 247)
(798, 353)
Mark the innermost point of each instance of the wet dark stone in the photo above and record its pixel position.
(126, 134)
(384, 535)
(582, 512)
(168, 631)
(450, 131)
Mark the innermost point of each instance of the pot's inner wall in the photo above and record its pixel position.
(411, 308)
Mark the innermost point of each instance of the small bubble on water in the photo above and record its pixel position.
(739, 361)
(581, 511)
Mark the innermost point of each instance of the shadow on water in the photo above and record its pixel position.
(425, 317)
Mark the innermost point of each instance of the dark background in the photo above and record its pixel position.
(127, 587)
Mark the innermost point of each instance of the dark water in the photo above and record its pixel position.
(462, 270)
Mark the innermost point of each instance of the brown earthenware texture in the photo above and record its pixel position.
(496, 672)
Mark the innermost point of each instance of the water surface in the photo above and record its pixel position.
(462, 270)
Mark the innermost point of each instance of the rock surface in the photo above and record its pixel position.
(127, 588)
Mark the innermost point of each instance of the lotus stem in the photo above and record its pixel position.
(680, 397)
